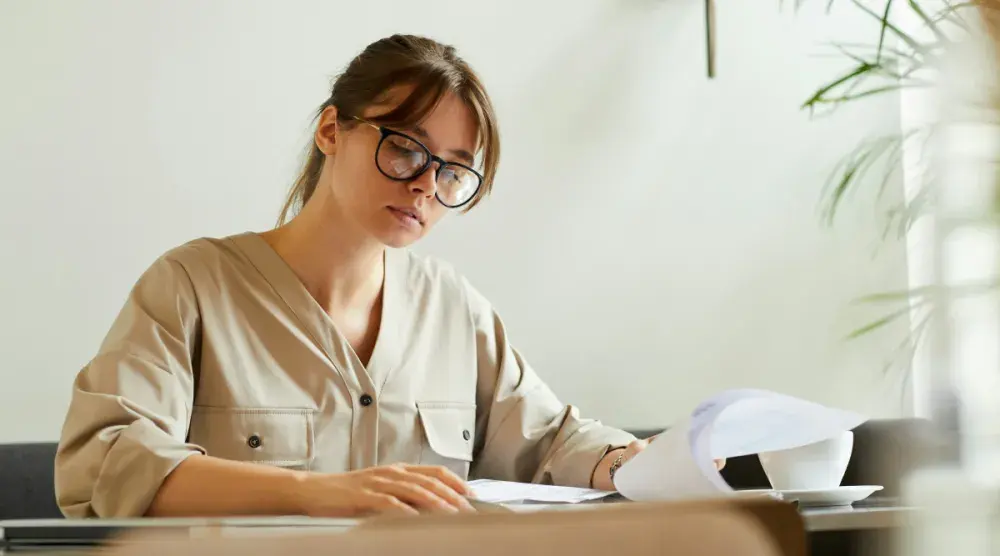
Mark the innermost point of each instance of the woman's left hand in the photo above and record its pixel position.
(639, 445)
(602, 475)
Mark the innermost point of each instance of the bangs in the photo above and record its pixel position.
(426, 92)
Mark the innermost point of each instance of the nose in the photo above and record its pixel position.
(425, 184)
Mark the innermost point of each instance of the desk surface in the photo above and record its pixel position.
(839, 518)
(847, 518)
(856, 519)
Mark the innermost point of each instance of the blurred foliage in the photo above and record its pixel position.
(895, 60)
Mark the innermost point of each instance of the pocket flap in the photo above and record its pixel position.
(449, 427)
(270, 436)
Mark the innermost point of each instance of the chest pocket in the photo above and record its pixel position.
(281, 437)
(449, 429)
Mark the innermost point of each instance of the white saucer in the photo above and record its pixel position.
(840, 496)
(757, 493)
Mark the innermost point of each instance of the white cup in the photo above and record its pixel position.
(816, 466)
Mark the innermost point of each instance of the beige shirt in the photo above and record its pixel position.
(220, 349)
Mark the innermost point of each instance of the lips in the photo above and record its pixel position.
(409, 212)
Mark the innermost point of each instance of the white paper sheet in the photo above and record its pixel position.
(508, 492)
(680, 464)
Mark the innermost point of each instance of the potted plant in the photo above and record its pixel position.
(899, 59)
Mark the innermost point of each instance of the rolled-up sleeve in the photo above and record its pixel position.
(126, 427)
(530, 435)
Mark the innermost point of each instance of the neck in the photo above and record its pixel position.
(337, 263)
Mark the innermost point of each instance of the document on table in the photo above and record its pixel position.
(680, 463)
(504, 492)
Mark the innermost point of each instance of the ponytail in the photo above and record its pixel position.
(305, 185)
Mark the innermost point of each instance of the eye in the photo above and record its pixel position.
(401, 150)
(447, 175)
(403, 153)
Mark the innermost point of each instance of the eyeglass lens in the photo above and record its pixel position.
(402, 158)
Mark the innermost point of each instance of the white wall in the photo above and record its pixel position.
(919, 109)
(653, 236)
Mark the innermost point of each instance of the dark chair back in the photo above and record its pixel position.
(27, 489)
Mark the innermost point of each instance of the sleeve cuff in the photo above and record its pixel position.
(135, 467)
(582, 453)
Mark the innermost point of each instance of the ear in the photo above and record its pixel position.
(326, 130)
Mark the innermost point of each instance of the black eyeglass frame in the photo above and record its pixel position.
(385, 133)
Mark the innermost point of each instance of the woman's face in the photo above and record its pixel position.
(396, 213)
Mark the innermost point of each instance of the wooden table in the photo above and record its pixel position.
(877, 518)
(841, 518)
(863, 518)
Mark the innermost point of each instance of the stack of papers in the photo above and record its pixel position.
(503, 492)
(680, 463)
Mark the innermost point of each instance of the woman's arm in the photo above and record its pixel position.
(123, 449)
(602, 473)
(207, 486)
(528, 434)
(126, 425)
(524, 432)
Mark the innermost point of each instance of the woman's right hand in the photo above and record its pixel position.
(399, 488)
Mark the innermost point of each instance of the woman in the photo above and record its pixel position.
(365, 379)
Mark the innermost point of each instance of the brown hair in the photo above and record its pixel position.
(432, 69)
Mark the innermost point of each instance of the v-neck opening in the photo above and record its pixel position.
(289, 287)
(328, 318)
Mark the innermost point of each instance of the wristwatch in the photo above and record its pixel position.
(615, 465)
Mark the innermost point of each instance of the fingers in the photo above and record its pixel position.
(442, 474)
(441, 490)
(636, 446)
(412, 494)
(444, 492)
(387, 504)
(394, 489)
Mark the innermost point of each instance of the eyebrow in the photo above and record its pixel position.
(462, 154)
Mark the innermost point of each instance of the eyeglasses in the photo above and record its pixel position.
(400, 157)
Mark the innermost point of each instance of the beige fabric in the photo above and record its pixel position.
(220, 342)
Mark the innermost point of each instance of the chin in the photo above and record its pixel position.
(391, 234)
(397, 240)
(399, 244)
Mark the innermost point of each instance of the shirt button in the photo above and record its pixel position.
(466, 435)
(253, 441)
(366, 400)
